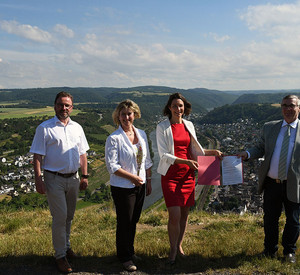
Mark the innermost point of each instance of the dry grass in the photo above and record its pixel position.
(214, 244)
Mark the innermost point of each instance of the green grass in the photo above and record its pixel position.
(214, 244)
(27, 112)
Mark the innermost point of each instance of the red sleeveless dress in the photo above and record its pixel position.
(178, 185)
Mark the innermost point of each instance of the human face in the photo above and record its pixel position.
(63, 107)
(126, 118)
(177, 109)
(290, 109)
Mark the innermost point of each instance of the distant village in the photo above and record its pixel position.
(230, 139)
(233, 138)
(20, 176)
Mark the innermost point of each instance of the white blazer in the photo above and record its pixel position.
(120, 153)
(165, 145)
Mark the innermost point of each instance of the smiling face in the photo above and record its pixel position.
(63, 108)
(290, 109)
(126, 118)
(177, 109)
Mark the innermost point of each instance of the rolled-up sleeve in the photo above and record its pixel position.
(162, 146)
(112, 155)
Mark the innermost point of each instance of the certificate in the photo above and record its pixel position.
(232, 170)
(209, 170)
(213, 171)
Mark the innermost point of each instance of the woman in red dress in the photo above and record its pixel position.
(178, 149)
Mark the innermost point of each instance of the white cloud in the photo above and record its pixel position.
(219, 39)
(64, 30)
(27, 31)
(268, 17)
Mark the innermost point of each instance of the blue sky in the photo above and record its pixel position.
(214, 44)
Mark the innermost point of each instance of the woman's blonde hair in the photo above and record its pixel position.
(125, 104)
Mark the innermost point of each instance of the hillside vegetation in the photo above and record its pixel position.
(231, 113)
(264, 97)
(214, 244)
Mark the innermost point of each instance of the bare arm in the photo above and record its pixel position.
(136, 180)
(215, 153)
(84, 171)
(191, 163)
(148, 182)
(37, 165)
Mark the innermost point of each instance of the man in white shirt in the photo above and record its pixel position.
(279, 178)
(59, 147)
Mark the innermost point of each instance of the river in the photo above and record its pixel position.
(156, 187)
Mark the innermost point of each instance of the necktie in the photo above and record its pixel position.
(283, 154)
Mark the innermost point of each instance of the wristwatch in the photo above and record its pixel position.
(85, 176)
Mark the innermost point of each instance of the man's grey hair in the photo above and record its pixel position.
(292, 96)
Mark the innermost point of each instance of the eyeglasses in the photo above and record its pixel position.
(292, 106)
(67, 106)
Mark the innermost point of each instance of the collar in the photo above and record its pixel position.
(57, 121)
(293, 124)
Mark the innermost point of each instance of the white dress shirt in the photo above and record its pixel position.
(61, 145)
(273, 171)
(121, 153)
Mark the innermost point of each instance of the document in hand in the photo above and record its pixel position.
(209, 172)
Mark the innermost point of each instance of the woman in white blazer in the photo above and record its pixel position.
(128, 161)
(178, 149)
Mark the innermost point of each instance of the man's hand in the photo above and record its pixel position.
(40, 185)
(243, 155)
(83, 184)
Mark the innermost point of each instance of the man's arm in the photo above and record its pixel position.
(84, 171)
(37, 165)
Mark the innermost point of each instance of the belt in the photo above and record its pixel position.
(62, 175)
(276, 180)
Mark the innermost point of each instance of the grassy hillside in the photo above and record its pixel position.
(214, 244)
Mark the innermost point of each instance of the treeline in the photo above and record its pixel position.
(148, 97)
(264, 97)
(230, 113)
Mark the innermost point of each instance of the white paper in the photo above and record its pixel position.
(232, 170)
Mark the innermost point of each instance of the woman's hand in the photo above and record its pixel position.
(192, 164)
(148, 187)
(136, 180)
(218, 154)
(215, 153)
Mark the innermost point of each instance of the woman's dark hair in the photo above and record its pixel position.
(187, 105)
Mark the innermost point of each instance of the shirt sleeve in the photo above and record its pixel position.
(84, 146)
(112, 155)
(38, 145)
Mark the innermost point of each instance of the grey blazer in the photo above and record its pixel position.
(265, 147)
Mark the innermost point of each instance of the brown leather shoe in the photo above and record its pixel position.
(71, 254)
(63, 265)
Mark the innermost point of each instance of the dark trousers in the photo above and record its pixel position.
(128, 203)
(274, 199)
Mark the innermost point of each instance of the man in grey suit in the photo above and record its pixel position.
(279, 177)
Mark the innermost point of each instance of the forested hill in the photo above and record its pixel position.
(231, 113)
(264, 97)
(201, 98)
